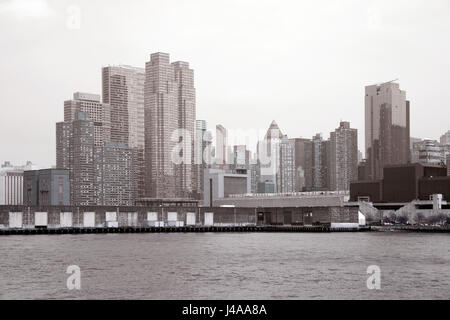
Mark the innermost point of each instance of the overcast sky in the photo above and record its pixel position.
(302, 63)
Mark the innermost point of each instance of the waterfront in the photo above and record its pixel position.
(226, 266)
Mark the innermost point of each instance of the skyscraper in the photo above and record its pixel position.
(99, 174)
(123, 91)
(343, 157)
(169, 100)
(96, 111)
(268, 152)
(221, 146)
(286, 174)
(300, 163)
(201, 143)
(387, 126)
(316, 162)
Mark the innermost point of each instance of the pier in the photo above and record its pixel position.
(185, 229)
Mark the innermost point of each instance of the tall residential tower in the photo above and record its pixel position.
(387, 127)
(169, 104)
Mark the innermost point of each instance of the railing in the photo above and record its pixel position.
(290, 194)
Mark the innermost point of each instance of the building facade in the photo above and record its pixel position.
(343, 157)
(98, 112)
(114, 175)
(300, 163)
(99, 175)
(169, 100)
(221, 183)
(445, 138)
(123, 91)
(431, 152)
(387, 127)
(268, 155)
(11, 183)
(286, 176)
(47, 187)
(316, 162)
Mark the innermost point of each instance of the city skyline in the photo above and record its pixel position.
(306, 89)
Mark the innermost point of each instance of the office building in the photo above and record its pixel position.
(387, 127)
(46, 187)
(343, 157)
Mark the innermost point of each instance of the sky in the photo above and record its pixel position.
(302, 63)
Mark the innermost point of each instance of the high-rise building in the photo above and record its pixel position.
(123, 91)
(300, 163)
(202, 144)
(445, 138)
(268, 153)
(221, 146)
(387, 127)
(286, 173)
(169, 100)
(98, 112)
(99, 174)
(343, 157)
(114, 175)
(316, 162)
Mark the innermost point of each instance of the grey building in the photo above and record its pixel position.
(98, 112)
(202, 154)
(343, 157)
(221, 183)
(316, 162)
(47, 187)
(445, 138)
(123, 91)
(387, 128)
(169, 106)
(300, 163)
(266, 187)
(448, 165)
(431, 152)
(268, 153)
(99, 174)
(286, 175)
(114, 175)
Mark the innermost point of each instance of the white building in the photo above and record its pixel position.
(222, 183)
(11, 183)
